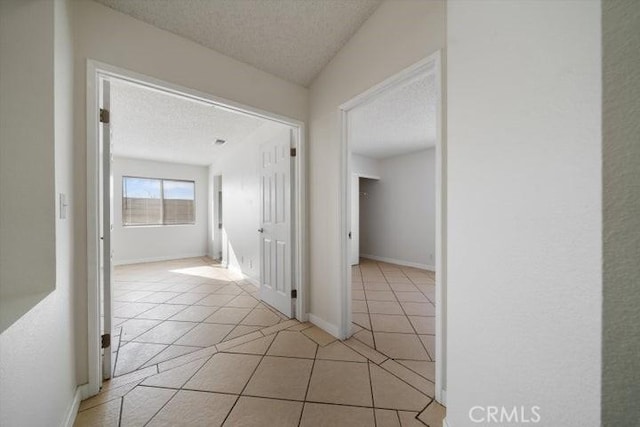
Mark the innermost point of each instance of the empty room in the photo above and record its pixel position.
(307, 213)
(184, 191)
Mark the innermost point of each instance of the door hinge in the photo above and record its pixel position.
(106, 340)
(294, 293)
(104, 116)
(293, 152)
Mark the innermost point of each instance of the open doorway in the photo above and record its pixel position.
(186, 248)
(393, 218)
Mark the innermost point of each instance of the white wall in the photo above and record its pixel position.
(396, 36)
(398, 216)
(524, 235)
(155, 243)
(621, 212)
(27, 211)
(37, 355)
(239, 167)
(364, 166)
(108, 36)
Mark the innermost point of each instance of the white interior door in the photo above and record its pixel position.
(275, 223)
(355, 219)
(106, 226)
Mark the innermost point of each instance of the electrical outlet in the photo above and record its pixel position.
(251, 263)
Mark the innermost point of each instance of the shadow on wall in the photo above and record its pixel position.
(229, 257)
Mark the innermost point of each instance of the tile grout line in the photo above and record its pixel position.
(293, 400)
(186, 332)
(121, 408)
(115, 362)
(179, 389)
(306, 393)
(373, 337)
(308, 384)
(161, 322)
(390, 358)
(318, 402)
(417, 373)
(373, 402)
(162, 407)
(398, 417)
(412, 327)
(250, 377)
(241, 320)
(422, 410)
(202, 348)
(409, 320)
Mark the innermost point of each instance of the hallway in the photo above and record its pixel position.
(197, 348)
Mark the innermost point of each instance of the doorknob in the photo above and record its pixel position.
(260, 230)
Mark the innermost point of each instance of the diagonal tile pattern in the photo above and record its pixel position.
(192, 370)
(166, 309)
(395, 308)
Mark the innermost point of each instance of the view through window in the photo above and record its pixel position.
(153, 201)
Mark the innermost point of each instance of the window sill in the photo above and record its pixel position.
(157, 226)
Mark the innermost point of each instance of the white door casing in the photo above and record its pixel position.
(106, 224)
(275, 222)
(355, 219)
(431, 64)
(95, 71)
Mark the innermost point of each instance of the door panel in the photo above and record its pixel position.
(266, 264)
(281, 265)
(275, 226)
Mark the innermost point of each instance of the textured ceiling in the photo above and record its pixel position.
(292, 39)
(401, 120)
(149, 124)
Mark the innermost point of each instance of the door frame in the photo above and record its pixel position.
(96, 70)
(430, 64)
(354, 229)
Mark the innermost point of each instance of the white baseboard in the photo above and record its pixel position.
(72, 410)
(255, 282)
(399, 262)
(215, 258)
(324, 325)
(157, 259)
(85, 391)
(443, 397)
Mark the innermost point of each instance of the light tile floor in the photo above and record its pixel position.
(167, 309)
(394, 312)
(197, 348)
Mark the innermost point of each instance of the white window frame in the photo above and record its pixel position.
(161, 223)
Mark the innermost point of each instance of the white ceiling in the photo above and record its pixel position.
(401, 120)
(154, 125)
(292, 39)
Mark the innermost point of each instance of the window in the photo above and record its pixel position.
(150, 201)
